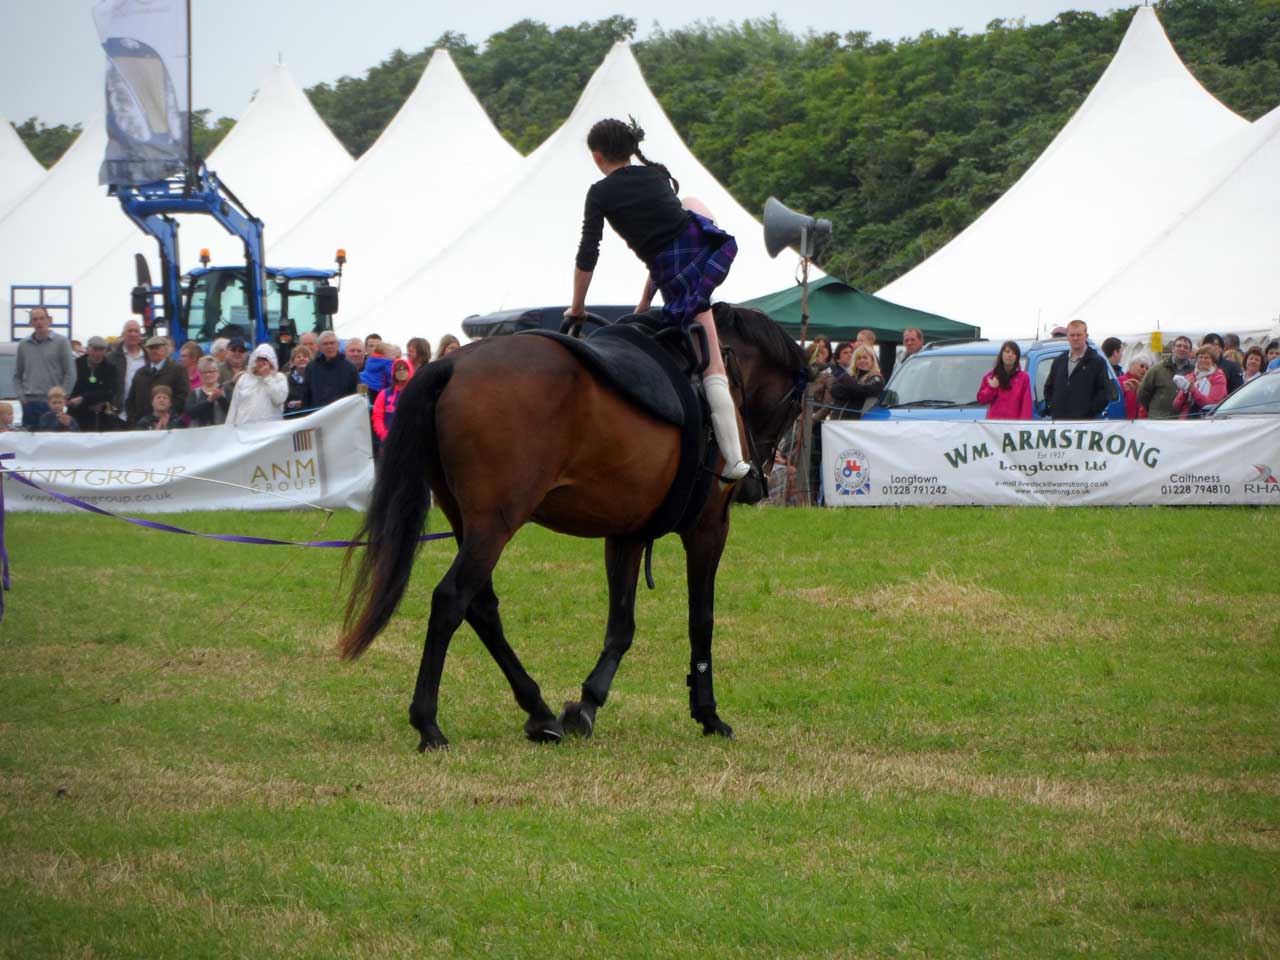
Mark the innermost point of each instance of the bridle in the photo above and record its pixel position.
(792, 398)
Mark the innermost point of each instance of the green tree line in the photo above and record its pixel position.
(902, 144)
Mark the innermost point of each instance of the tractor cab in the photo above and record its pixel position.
(217, 299)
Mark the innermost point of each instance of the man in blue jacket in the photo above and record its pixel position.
(330, 376)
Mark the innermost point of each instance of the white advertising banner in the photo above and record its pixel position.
(1051, 463)
(324, 459)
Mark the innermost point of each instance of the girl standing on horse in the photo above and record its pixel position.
(688, 256)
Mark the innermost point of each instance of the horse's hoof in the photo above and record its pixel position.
(546, 730)
(713, 726)
(432, 739)
(578, 718)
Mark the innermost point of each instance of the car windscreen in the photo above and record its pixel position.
(1261, 395)
(940, 380)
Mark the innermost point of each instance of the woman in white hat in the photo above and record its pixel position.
(260, 391)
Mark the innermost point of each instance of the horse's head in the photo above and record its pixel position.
(767, 369)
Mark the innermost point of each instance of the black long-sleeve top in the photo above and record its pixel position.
(852, 391)
(640, 205)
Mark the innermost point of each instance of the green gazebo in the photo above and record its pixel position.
(838, 311)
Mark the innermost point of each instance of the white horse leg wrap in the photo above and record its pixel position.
(724, 421)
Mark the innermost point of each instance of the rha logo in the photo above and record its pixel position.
(852, 474)
(1262, 480)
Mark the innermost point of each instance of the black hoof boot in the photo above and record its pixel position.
(544, 730)
(713, 726)
(578, 717)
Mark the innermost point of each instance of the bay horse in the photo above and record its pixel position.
(511, 430)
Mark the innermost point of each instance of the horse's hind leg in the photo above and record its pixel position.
(703, 546)
(469, 573)
(622, 563)
(542, 725)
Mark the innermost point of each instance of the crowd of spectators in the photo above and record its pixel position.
(137, 384)
(847, 378)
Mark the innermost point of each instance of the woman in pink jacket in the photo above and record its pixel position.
(384, 407)
(1006, 388)
(1205, 386)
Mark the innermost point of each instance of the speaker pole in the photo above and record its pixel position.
(804, 302)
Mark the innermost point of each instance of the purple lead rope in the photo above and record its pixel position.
(156, 525)
(4, 552)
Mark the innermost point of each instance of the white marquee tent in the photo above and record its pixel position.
(437, 162)
(1217, 266)
(19, 170)
(280, 158)
(520, 251)
(64, 225)
(1129, 160)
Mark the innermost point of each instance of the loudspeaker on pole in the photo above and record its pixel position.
(784, 228)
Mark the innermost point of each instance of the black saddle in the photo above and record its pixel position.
(656, 369)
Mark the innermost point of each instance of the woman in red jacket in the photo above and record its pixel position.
(1006, 388)
(384, 407)
(1205, 386)
(1129, 384)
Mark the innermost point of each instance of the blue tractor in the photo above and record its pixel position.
(250, 300)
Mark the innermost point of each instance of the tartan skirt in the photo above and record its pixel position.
(690, 267)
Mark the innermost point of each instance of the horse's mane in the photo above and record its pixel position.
(760, 330)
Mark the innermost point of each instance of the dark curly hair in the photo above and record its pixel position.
(617, 142)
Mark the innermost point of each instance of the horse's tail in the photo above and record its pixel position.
(397, 512)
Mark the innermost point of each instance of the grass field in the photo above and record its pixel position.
(973, 733)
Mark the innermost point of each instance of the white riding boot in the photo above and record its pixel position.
(724, 422)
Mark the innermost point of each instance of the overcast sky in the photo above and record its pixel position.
(51, 65)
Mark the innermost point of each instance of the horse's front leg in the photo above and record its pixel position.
(622, 565)
(703, 546)
(542, 725)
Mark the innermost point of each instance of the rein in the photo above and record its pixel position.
(735, 379)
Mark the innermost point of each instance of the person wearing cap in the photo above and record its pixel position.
(159, 369)
(233, 364)
(93, 396)
(261, 392)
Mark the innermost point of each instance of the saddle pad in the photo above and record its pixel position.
(629, 361)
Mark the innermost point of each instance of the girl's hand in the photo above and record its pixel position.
(993, 383)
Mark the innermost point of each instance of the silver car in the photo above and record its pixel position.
(1260, 396)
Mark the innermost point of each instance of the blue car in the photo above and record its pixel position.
(941, 381)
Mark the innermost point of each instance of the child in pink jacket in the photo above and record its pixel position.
(384, 407)
(1006, 388)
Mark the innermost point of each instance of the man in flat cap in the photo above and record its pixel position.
(159, 369)
(92, 397)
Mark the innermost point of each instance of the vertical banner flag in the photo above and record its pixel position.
(148, 116)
